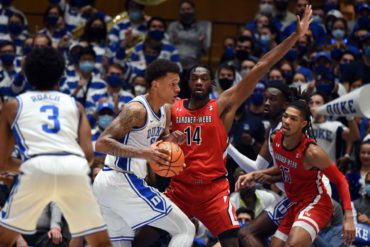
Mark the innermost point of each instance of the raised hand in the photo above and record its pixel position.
(303, 25)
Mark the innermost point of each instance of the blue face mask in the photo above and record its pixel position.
(86, 66)
(367, 51)
(243, 223)
(114, 80)
(52, 20)
(338, 34)
(276, 81)
(135, 15)
(325, 88)
(229, 53)
(343, 67)
(7, 59)
(291, 55)
(363, 22)
(150, 58)
(27, 49)
(265, 40)
(156, 34)
(104, 121)
(15, 28)
(80, 3)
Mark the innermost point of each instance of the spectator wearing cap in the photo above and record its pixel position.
(6, 11)
(104, 114)
(84, 83)
(116, 93)
(317, 30)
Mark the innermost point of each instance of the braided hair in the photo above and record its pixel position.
(300, 102)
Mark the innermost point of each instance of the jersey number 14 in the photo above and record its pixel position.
(193, 137)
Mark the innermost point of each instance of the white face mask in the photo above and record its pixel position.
(298, 84)
(266, 8)
(139, 90)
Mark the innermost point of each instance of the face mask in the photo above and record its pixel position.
(367, 189)
(243, 223)
(367, 51)
(244, 72)
(266, 8)
(281, 6)
(139, 90)
(114, 80)
(297, 84)
(187, 17)
(86, 66)
(156, 35)
(265, 40)
(27, 49)
(5, 2)
(7, 59)
(242, 55)
(322, 70)
(288, 76)
(324, 87)
(104, 121)
(15, 29)
(225, 83)
(343, 67)
(338, 34)
(98, 33)
(276, 81)
(135, 15)
(317, 18)
(363, 22)
(229, 53)
(150, 58)
(257, 99)
(52, 20)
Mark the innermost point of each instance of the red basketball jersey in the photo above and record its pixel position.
(300, 184)
(205, 144)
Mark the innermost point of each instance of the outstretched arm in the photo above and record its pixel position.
(233, 97)
(133, 115)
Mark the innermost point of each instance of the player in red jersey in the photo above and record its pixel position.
(301, 164)
(202, 190)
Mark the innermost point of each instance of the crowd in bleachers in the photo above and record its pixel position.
(106, 66)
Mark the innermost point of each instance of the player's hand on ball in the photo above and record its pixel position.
(177, 137)
(158, 155)
(245, 181)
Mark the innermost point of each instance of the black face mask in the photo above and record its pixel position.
(187, 17)
(97, 33)
(281, 6)
(225, 83)
(242, 55)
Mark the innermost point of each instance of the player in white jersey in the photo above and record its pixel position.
(47, 126)
(327, 132)
(126, 201)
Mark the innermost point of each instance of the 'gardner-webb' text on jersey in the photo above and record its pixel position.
(47, 122)
(300, 184)
(206, 141)
(140, 138)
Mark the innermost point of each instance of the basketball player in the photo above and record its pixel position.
(202, 190)
(126, 201)
(53, 136)
(301, 164)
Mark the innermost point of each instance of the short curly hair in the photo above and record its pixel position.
(158, 69)
(44, 68)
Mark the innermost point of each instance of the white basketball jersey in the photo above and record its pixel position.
(140, 138)
(46, 123)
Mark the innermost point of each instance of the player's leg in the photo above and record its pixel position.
(256, 233)
(298, 236)
(277, 242)
(7, 237)
(178, 225)
(146, 235)
(99, 239)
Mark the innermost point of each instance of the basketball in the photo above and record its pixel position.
(176, 164)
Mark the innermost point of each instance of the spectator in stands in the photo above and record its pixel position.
(226, 76)
(287, 71)
(7, 70)
(245, 216)
(362, 204)
(95, 35)
(275, 76)
(139, 85)
(153, 47)
(114, 93)
(16, 34)
(130, 30)
(53, 19)
(268, 38)
(282, 14)
(84, 82)
(6, 11)
(78, 12)
(244, 50)
(191, 37)
(246, 66)
(229, 49)
(364, 162)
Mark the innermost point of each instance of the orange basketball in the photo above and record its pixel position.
(176, 164)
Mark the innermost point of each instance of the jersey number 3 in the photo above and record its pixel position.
(53, 113)
(193, 137)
